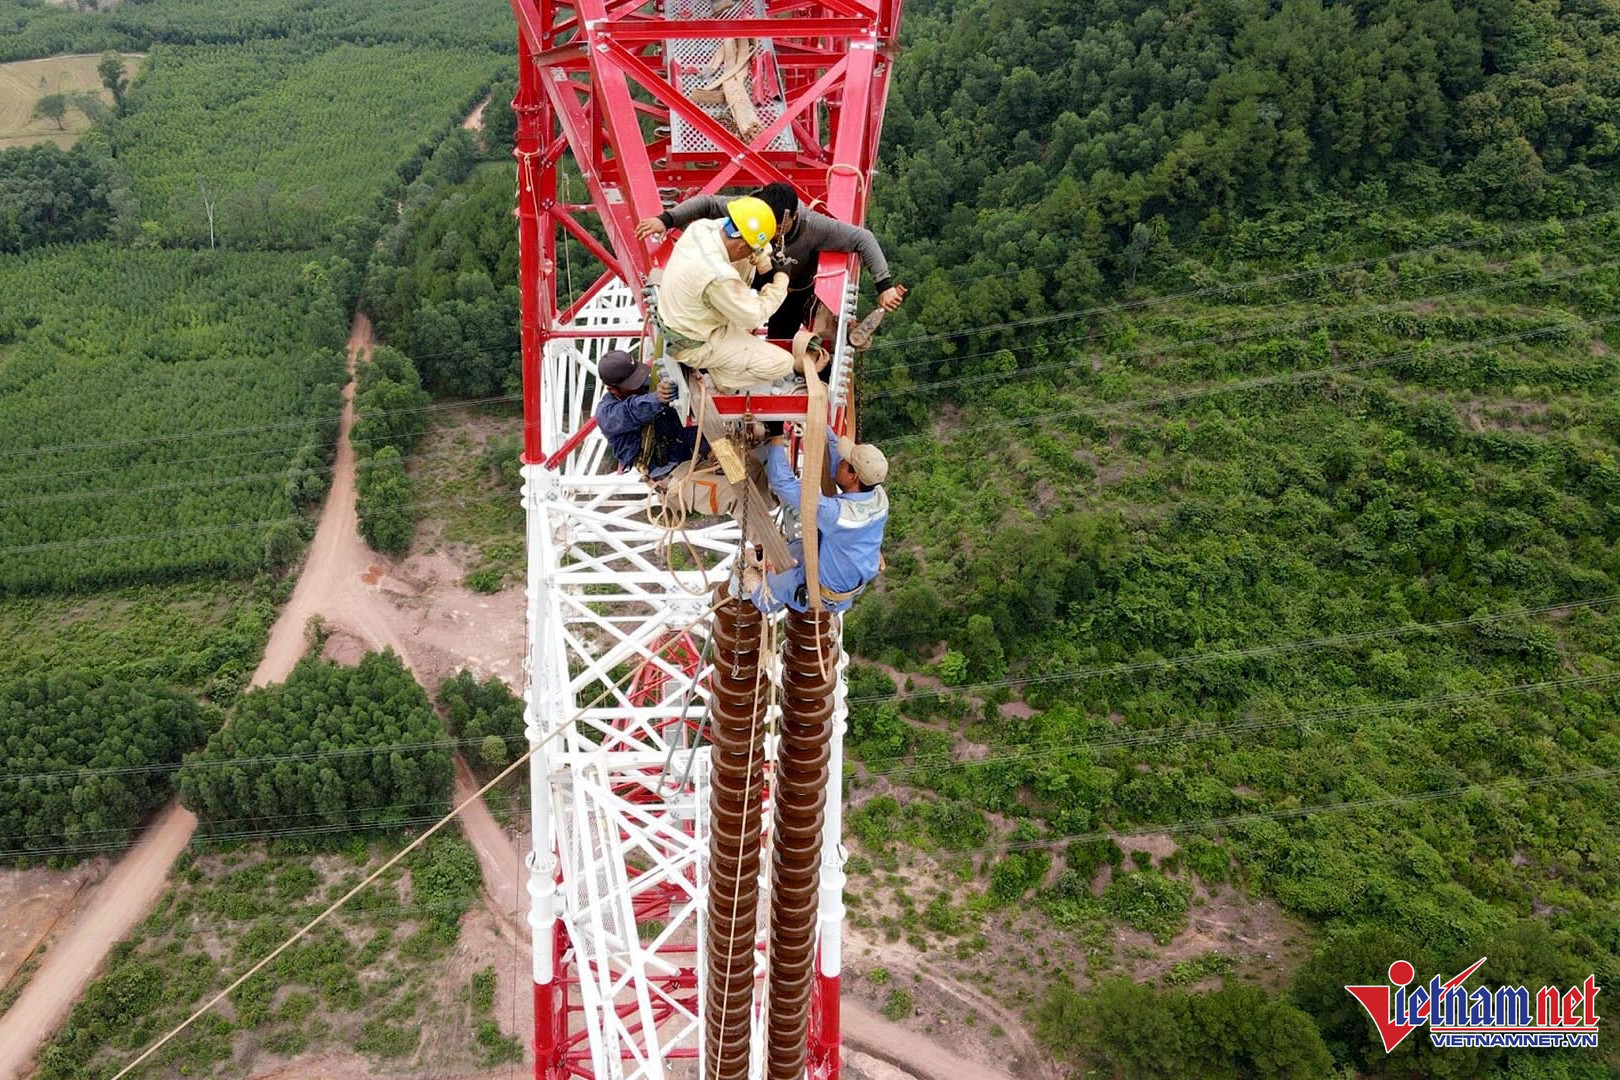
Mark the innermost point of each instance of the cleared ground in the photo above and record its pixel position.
(24, 82)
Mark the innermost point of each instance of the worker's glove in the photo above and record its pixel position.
(764, 261)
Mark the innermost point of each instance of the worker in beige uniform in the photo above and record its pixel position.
(707, 310)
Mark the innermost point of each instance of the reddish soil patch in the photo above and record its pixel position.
(344, 648)
(1160, 845)
(32, 903)
(1264, 943)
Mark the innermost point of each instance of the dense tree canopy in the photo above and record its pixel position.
(1233, 1033)
(197, 121)
(332, 747)
(160, 412)
(1038, 133)
(389, 417)
(54, 196)
(486, 715)
(37, 28)
(86, 756)
(431, 285)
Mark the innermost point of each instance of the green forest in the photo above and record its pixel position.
(163, 414)
(388, 419)
(31, 28)
(1278, 499)
(431, 286)
(86, 757)
(1256, 486)
(265, 134)
(330, 750)
(54, 196)
(175, 295)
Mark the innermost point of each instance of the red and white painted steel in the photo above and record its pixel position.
(620, 797)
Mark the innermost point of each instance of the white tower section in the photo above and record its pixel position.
(619, 791)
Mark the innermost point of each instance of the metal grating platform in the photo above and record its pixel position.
(691, 66)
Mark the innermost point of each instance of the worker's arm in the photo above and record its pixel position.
(741, 305)
(780, 474)
(830, 234)
(833, 456)
(681, 215)
(787, 487)
(615, 416)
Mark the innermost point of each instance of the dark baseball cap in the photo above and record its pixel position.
(620, 370)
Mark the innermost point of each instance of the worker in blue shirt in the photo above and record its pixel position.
(849, 527)
(642, 429)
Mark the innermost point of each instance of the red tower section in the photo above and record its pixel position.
(627, 91)
(653, 102)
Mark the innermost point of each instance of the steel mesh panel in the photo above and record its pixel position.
(693, 58)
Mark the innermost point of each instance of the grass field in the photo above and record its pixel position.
(184, 634)
(459, 469)
(24, 82)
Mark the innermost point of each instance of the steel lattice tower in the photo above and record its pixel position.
(620, 801)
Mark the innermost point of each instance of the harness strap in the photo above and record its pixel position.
(674, 339)
(833, 596)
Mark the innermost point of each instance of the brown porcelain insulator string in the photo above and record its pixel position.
(738, 696)
(809, 672)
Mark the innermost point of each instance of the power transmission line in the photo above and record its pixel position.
(523, 759)
(1261, 382)
(1347, 806)
(1219, 388)
(234, 526)
(1335, 315)
(1255, 652)
(890, 767)
(1070, 314)
(81, 774)
(1215, 290)
(144, 440)
(973, 275)
(1347, 313)
(283, 474)
(1049, 749)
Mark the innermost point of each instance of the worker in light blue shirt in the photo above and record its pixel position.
(849, 526)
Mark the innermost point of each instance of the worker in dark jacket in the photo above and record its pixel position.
(804, 235)
(642, 429)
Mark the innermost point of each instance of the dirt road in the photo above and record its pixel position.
(122, 899)
(505, 876)
(332, 583)
(474, 120)
(922, 1057)
(419, 609)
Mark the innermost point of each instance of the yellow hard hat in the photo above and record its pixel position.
(752, 220)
